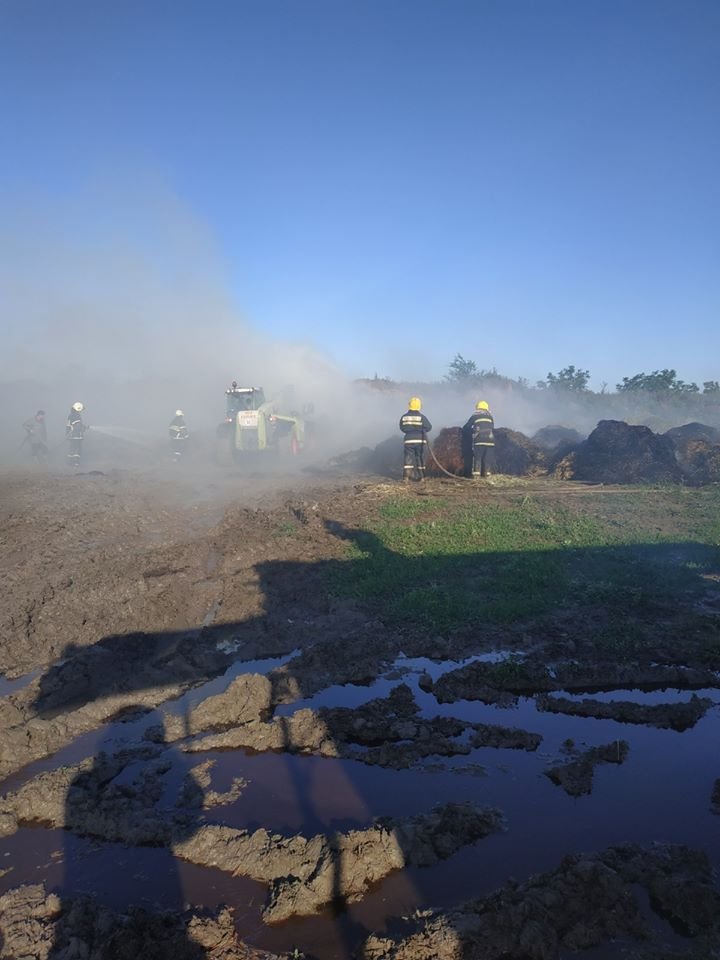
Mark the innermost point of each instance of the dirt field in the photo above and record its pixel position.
(246, 714)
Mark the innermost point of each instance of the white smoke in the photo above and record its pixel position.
(119, 298)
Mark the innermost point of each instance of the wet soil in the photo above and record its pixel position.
(39, 925)
(576, 776)
(206, 752)
(676, 716)
(587, 901)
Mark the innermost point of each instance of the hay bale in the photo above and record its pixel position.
(387, 458)
(618, 453)
(697, 449)
(450, 449)
(517, 455)
(560, 460)
(700, 462)
(552, 437)
(564, 468)
(690, 432)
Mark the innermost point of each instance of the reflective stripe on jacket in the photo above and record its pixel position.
(75, 428)
(480, 425)
(415, 425)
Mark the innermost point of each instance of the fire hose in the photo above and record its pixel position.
(453, 476)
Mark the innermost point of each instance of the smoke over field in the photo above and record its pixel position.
(260, 656)
(136, 317)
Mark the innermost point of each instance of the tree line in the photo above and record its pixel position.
(572, 379)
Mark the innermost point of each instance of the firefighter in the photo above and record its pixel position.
(36, 436)
(415, 425)
(74, 433)
(480, 429)
(178, 432)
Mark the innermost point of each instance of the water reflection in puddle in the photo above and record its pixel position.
(19, 683)
(117, 734)
(661, 793)
(219, 684)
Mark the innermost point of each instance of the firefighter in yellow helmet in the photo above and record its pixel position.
(480, 430)
(415, 426)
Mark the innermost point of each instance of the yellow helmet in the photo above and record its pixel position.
(482, 405)
(415, 403)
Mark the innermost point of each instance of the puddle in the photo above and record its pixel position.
(403, 670)
(661, 793)
(120, 733)
(436, 668)
(639, 695)
(219, 684)
(340, 695)
(117, 875)
(12, 686)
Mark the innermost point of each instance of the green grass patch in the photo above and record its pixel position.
(404, 508)
(285, 529)
(441, 565)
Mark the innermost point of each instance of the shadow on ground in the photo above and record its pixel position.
(625, 605)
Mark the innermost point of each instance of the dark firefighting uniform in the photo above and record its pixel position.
(178, 432)
(37, 435)
(414, 425)
(74, 432)
(480, 428)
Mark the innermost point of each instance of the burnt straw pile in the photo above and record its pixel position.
(452, 452)
(697, 449)
(518, 456)
(615, 452)
(556, 437)
(515, 454)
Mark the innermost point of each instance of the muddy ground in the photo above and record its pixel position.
(207, 751)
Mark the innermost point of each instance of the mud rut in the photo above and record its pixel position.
(191, 723)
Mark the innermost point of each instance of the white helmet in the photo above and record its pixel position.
(179, 413)
(78, 407)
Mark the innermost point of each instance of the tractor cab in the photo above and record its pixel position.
(243, 398)
(253, 423)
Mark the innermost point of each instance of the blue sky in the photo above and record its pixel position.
(529, 183)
